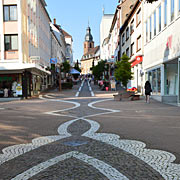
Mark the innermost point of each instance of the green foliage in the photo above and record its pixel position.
(98, 70)
(77, 66)
(123, 70)
(65, 67)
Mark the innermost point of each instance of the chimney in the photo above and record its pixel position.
(54, 20)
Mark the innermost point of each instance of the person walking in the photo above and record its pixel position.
(148, 91)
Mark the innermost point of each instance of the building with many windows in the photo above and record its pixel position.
(25, 46)
(161, 49)
(29, 44)
(132, 34)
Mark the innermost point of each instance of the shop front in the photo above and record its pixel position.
(12, 84)
(154, 77)
(165, 81)
(136, 68)
(171, 82)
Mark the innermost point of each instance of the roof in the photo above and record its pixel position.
(66, 34)
(93, 50)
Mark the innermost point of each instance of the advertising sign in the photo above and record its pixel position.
(19, 89)
(53, 61)
(138, 60)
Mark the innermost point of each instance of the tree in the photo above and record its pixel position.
(123, 70)
(65, 67)
(98, 70)
(77, 66)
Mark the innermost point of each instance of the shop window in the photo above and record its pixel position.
(138, 17)
(132, 27)
(154, 78)
(10, 13)
(11, 42)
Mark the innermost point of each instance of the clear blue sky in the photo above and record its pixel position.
(73, 16)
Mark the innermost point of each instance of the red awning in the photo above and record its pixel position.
(138, 60)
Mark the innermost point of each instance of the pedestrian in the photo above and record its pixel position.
(148, 91)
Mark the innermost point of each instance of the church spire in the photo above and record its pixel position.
(88, 36)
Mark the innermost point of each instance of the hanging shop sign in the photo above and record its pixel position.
(138, 60)
(53, 61)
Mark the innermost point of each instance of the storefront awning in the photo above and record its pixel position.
(20, 67)
(138, 60)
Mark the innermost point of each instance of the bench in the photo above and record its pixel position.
(134, 97)
(122, 95)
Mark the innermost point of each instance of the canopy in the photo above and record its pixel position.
(74, 71)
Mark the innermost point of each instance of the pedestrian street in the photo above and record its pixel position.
(81, 150)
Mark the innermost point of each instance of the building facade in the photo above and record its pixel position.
(132, 35)
(90, 59)
(161, 49)
(69, 47)
(91, 54)
(25, 46)
(105, 25)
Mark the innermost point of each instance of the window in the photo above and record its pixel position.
(165, 13)
(11, 42)
(10, 13)
(138, 17)
(172, 10)
(154, 23)
(146, 31)
(132, 26)
(178, 6)
(159, 18)
(132, 49)
(127, 33)
(123, 39)
(139, 43)
(127, 52)
(150, 31)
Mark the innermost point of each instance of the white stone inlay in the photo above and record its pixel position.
(80, 88)
(160, 161)
(90, 89)
(107, 170)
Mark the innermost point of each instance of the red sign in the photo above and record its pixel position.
(169, 42)
(138, 60)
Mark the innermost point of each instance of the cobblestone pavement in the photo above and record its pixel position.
(79, 147)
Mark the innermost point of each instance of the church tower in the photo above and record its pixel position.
(88, 43)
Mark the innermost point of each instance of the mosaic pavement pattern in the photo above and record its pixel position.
(79, 152)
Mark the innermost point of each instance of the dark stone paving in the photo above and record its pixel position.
(72, 168)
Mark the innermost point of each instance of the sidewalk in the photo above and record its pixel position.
(9, 99)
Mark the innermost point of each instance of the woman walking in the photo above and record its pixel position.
(148, 91)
